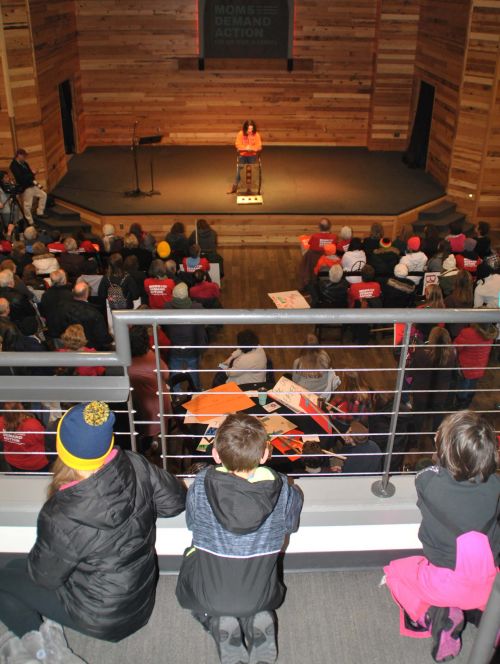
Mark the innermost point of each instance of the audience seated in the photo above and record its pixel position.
(43, 260)
(401, 240)
(117, 287)
(363, 455)
(487, 291)
(317, 243)
(204, 291)
(353, 259)
(21, 432)
(435, 263)
(80, 310)
(71, 260)
(367, 289)
(131, 247)
(131, 267)
(383, 258)
(111, 243)
(344, 240)
(328, 259)
(331, 290)
(195, 261)
(448, 275)
(158, 286)
(469, 258)
(52, 299)
(372, 242)
(20, 304)
(483, 246)
(8, 330)
(414, 259)
(353, 398)
(430, 241)
(313, 369)
(74, 340)
(456, 237)
(248, 363)
(399, 291)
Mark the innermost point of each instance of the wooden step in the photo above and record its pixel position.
(60, 212)
(64, 226)
(438, 211)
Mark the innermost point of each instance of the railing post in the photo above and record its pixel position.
(383, 488)
(163, 440)
(131, 422)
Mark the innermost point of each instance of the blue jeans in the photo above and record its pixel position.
(189, 363)
(464, 398)
(242, 160)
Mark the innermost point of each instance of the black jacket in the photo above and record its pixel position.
(8, 334)
(450, 508)
(239, 528)
(94, 323)
(96, 545)
(50, 307)
(185, 335)
(331, 294)
(20, 305)
(398, 292)
(22, 173)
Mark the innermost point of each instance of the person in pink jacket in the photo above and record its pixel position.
(459, 501)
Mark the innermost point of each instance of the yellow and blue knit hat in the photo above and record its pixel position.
(85, 435)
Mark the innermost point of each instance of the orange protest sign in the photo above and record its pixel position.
(218, 401)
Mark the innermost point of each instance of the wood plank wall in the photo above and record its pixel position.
(395, 48)
(442, 39)
(474, 180)
(141, 64)
(23, 84)
(55, 46)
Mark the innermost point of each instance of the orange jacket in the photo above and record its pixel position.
(248, 145)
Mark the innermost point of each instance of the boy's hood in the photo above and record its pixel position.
(240, 506)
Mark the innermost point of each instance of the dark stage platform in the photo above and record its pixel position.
(296, 180)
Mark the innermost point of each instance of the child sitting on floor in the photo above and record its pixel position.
(239, 513)
(460, 535)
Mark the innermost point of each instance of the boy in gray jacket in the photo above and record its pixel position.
(240, 513)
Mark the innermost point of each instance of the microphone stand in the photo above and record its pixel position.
(137, 191)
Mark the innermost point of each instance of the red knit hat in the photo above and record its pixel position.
(413, 243)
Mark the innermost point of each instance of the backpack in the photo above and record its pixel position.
(116, 296)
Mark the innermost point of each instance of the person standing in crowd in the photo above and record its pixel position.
(93, 566)
(117, 286)
(458, 498)
(178, 242)
(26, 179)
(249, 146)
(239, 513)
(483, 246)
(158, 286)
(23, 440)
(474, 345)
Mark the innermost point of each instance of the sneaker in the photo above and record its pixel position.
(226, 631)
(261, 640)
(13, 651)
(446, 626)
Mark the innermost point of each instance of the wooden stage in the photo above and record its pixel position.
(300, 184)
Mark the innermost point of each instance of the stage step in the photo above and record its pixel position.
(60, 212)
(438, 211)
(64, 226)
(443, 223)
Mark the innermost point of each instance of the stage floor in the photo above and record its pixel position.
(296, 180)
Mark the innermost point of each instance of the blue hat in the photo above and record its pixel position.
(85, 435)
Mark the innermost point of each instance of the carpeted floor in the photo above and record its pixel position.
(296, 180)
(327, 617)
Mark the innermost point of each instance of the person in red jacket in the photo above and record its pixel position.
(74, 340)
(367, 289)
(474, 347)
(318, 241)
(329, 258)
(469, 260)
(195, 261)
(203, 289)
(21, 432)
(159, 285)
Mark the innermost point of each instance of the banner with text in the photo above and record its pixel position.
(245, 28)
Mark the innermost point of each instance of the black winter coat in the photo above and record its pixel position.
(96, 545)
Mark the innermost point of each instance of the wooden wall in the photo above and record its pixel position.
(55, 46)
(441, 45)
(474, 180)
(394, 69)
(142, 64)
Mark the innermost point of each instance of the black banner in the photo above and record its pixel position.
(245, 28)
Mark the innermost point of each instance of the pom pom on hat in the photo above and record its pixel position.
(385, 242)
(400, 270)
(180, 291)
(163, 249)
(413, 243)
(85, 435)
(330, 248)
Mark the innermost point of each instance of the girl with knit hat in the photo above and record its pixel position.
(93, 566)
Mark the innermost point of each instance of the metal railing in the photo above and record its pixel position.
(116, 388)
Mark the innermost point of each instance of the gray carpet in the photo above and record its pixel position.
(296, 180)
(327, 617)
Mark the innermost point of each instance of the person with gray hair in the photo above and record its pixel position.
(20, 305)
(72, 262)
(332, 291)
(78, 310)
(8, 329)
(30, 235)
(53, 300)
